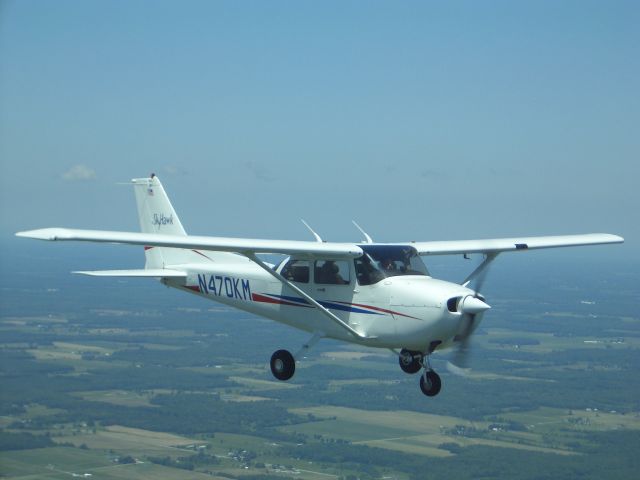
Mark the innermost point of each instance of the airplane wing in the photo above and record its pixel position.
(311, 250)
(498, 245)
(300, 249)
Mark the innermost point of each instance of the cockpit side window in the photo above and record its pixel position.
(296, 271)
(366, 272)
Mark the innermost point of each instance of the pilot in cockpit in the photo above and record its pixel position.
(388, 264)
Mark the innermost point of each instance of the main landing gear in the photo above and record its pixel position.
(411, 362)
(283, 363)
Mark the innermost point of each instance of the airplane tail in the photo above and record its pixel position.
(157, 215)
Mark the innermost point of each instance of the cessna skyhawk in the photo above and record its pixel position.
(374, 294)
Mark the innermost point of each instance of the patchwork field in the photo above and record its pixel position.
(185, 392)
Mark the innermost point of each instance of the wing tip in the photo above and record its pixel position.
(41, 234)
(609, 237)
(617, 239)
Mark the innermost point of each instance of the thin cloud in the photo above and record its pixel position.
(79, 173)
(259, 171)
(432, 173)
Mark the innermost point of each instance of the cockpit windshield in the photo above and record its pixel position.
(383, 261)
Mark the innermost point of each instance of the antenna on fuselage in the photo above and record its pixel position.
(367, 238)
(318, 237)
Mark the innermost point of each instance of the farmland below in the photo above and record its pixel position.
(127, 379)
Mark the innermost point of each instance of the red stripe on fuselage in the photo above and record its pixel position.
(378, 309)
(200, 253)
(256, 297)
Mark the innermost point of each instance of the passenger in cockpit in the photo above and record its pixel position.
(329, 273)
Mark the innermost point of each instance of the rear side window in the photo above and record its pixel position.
(296, 271)
(331, 272)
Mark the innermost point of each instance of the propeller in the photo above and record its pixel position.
(472, 308)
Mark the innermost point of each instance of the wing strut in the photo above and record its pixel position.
(490, 257)
(252, 256)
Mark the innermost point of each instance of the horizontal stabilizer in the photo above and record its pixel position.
(141, 273)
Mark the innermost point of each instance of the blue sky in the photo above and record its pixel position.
(421, 120)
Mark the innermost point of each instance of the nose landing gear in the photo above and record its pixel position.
(411, 362)
(430, 383)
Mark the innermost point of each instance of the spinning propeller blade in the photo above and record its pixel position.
(472, 308)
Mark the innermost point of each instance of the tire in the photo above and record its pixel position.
(432, 385)
(283, 365)
(412, 366)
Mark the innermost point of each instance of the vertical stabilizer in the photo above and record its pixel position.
(155, 211)
(156, 215)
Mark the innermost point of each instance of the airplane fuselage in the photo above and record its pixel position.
(397, 312)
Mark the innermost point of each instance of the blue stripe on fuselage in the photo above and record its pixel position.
(326, 304)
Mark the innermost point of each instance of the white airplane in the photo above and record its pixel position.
(374, 294)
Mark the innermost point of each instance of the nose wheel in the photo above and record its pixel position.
(430, 383)
(413, 362)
